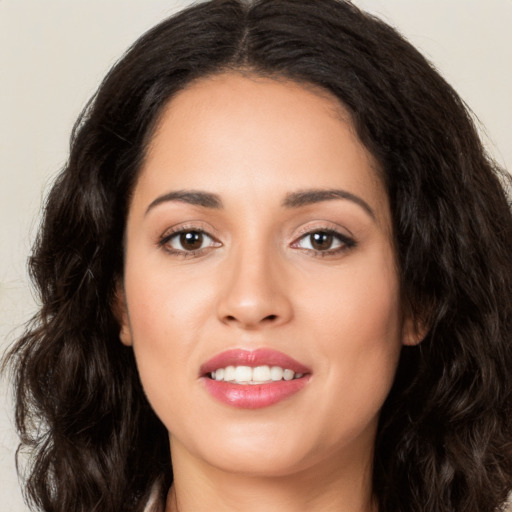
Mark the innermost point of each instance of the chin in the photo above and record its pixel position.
(266, 450)
(261, 463)
(252, 450)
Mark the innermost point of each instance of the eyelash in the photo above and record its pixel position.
(346, 242)
(168, 236)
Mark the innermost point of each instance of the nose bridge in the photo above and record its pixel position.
(254, 293)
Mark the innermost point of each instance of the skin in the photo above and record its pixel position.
(256, 282)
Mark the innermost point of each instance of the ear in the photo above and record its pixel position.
(120, 311)
(413, 331)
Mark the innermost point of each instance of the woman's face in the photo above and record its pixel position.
(259, 236)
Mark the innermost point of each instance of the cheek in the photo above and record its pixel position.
(358, 306)
(166, 311)
(357, 324)
(165, 306)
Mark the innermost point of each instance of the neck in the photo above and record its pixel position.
(199, 487)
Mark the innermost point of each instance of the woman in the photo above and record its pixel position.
(276, 274)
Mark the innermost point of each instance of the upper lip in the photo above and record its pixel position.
(252, 358)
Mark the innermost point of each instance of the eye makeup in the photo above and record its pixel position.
(190, 241)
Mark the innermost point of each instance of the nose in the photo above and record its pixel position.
(254, 293)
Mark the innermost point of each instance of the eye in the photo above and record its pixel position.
(189, 241)
(324, 241)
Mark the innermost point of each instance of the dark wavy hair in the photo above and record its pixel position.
(444, 441)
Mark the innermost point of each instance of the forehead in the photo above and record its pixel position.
(247, 100)
(236, 134)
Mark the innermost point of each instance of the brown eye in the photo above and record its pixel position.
(325, 241)
(191, 240)
(321, 241)
(188, 242)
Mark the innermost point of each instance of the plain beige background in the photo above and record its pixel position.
(53, 53)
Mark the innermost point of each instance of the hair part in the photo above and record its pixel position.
(444, 440)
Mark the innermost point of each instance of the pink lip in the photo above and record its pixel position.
(258, 395)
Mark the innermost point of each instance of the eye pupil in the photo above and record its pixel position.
(321, 241)
(191, 240)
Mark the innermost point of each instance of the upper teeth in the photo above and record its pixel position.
(257, 375)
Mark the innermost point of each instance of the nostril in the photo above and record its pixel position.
(268, 318)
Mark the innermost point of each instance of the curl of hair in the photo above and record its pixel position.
(445, 433)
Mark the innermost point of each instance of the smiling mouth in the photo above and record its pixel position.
(253, 379)
(246, 375)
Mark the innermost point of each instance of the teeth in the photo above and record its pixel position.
(243, 374)
(229, 373)
(288, 375)
(261, 373)
(257, 375)
(276, 373)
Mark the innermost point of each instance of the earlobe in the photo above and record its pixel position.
(125, 335)
(413, 332)
(412, 341)
(121, 313)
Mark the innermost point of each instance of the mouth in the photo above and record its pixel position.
(253, 379)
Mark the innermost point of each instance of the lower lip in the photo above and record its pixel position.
(254, 396)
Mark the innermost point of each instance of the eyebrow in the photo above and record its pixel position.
(196, 198)
(312, 196)
(292, 200)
